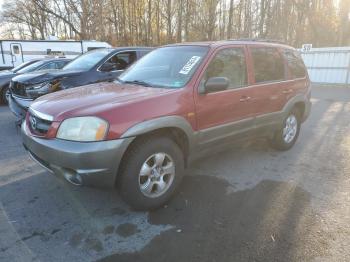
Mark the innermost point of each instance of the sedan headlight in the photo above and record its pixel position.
(84, 129)
(41, 85)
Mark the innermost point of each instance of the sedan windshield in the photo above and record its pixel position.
(168, 67)
(21, 66)
(88, 60)
(32, 67)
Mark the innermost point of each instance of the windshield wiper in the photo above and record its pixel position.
(138, 82)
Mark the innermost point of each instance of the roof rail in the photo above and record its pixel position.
(259, 40)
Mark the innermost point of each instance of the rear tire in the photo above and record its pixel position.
(286, 136)
(151, 171)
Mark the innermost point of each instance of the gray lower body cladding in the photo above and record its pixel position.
(89, 163)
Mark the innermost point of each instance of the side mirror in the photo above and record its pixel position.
(107, 67)
(215, 84)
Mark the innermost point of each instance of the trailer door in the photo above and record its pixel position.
(16, 54)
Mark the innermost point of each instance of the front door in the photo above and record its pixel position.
(226, 113)
(16, 54)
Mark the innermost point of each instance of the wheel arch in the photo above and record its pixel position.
(298, 102)
(175, 127)
(175, 124)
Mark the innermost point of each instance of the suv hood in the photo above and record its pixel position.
(43, 76)
(93, 99)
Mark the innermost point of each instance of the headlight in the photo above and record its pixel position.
(39, 85)
(84, 129)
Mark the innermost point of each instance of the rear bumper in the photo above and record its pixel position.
(94, 163)
(19, 107)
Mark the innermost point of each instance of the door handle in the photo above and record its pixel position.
(288, 91)
(244, 98)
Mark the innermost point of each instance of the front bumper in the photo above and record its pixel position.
(81, 163)
(19, 106)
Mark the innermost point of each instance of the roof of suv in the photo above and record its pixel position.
(237, 42)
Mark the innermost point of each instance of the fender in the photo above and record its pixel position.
(163, 122)
(291, 102)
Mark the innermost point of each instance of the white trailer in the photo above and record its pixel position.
(15, 52)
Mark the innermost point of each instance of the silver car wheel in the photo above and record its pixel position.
(290, 129)
(156, 175)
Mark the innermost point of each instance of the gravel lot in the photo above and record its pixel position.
(243, 204)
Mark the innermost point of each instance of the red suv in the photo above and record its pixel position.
(140, 132)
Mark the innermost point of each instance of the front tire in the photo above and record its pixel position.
(151, 171)
(4, 95)
(287, 135)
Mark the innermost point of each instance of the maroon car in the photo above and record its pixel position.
(140, 132)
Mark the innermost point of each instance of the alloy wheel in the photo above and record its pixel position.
(156, 175)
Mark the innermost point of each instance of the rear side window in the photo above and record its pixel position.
(229, 63)
(295, 64)
(268, 64)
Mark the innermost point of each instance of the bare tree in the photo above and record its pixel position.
(150, 22)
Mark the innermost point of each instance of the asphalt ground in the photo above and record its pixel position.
(247, 203)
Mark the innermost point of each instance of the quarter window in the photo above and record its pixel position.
(229, 63)
(268, 64)
(295, 64)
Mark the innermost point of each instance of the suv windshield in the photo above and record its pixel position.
(88, 60)
(168, 67)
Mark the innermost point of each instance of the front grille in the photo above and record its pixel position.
(18, 89)
(38, 125)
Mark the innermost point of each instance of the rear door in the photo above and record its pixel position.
(16, 54)
(269, 83)
(297, 75)
(223, 114)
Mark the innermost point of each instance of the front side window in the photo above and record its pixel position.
(166, 67)
(61, 64)
(48, 66)
(88, 60)
(295, 64)
(268, 64)
(229, 63)
(120, 61)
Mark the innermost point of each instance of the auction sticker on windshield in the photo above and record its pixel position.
(189, 65)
